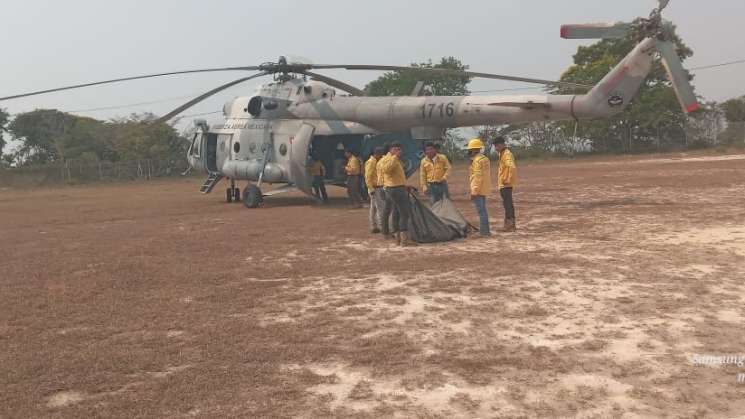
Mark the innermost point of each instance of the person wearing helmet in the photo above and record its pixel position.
(480, 183)
(506, 180)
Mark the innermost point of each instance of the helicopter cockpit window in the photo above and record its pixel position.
(254, 106)
(271, 105)
(308, 90)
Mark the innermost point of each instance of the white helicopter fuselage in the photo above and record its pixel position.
(268, 137)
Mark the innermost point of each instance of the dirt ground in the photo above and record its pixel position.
(151, 300)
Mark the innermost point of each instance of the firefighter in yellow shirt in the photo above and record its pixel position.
(318, 171)
(433, 173)
(353, 170)
(397, 194)
(375, 189)
(506, 181)
(480, 183)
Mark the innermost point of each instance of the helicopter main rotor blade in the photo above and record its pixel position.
(336, 83)
(678, 76)
(123, 79)
(448, 72)
(204, 96)
(617, 30)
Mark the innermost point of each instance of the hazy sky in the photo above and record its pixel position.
(47, 43)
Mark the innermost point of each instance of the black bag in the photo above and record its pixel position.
(443, 222)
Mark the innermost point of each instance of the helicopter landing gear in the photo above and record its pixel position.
(233, 194)
(252, 196)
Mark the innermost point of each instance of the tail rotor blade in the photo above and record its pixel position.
(202, 97)
(614, 30)
(678, 76)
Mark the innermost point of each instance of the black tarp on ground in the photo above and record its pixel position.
(443, 222)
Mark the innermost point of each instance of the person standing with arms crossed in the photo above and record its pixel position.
(506, 181)
(353, 170)
(480, 183)
(375, 189)
(433, 173)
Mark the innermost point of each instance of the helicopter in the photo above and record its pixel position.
(268, 137)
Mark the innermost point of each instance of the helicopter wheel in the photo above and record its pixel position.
(237, 194)
(229, 195)
(252, 197)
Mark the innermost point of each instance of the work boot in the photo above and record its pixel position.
(405, 241)
(509, 225)
(374, 230)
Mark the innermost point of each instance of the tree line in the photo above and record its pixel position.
(47, 136)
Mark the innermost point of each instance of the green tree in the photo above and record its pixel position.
(4, 117)
(48, 136)
(734, 112)
(139, 137)
(653, 118)
(402, 83)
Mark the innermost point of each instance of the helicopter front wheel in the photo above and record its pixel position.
(252, 196)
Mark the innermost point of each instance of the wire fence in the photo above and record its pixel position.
(83, 171)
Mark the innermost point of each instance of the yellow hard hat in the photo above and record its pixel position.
(475, 144)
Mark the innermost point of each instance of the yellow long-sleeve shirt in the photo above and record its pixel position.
(379, 172)
(371, 173)
(507, 174)
(393, 171)
(434, 171)
(354, 167)
(480, 175)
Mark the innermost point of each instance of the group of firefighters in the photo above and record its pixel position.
(385, 179)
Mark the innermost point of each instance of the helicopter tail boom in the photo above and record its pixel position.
(615, 91)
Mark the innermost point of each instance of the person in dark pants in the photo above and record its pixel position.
(396, 194)
(506, 179)
(353, 170)
(388, 213)
(317, 170)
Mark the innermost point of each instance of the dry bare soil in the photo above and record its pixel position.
(151, 300)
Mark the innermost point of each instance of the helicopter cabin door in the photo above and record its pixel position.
(211, 152)
(299, 158)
